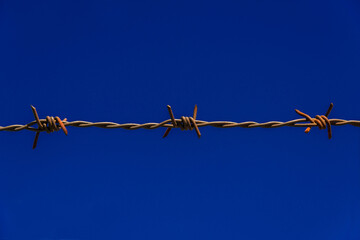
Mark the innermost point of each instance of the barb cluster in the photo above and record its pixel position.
(51, 124)
(186, 123)
(321, 121)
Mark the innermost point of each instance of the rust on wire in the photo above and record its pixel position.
(48, 125)
(51, 124)
(186, 123)
(321, 121)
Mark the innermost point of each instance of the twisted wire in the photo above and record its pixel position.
(50, 124)
(167, 124)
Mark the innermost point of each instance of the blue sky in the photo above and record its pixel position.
(124, 61)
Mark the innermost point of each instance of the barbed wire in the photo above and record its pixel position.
(51, 124)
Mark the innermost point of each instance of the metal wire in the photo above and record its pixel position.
(185, 123)
(200, 123)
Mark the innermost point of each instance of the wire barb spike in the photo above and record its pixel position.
(49, 125)
(185, 123)
(321, 121)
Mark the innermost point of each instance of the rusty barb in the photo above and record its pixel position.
(185, 123)
(321, 121)
(48, 125)
(51, 124)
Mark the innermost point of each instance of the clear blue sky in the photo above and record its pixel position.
(124, 61)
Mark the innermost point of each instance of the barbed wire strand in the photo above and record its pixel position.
(51, 124)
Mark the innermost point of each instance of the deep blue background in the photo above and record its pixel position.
(124, 62)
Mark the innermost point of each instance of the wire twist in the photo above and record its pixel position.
(51, 124)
